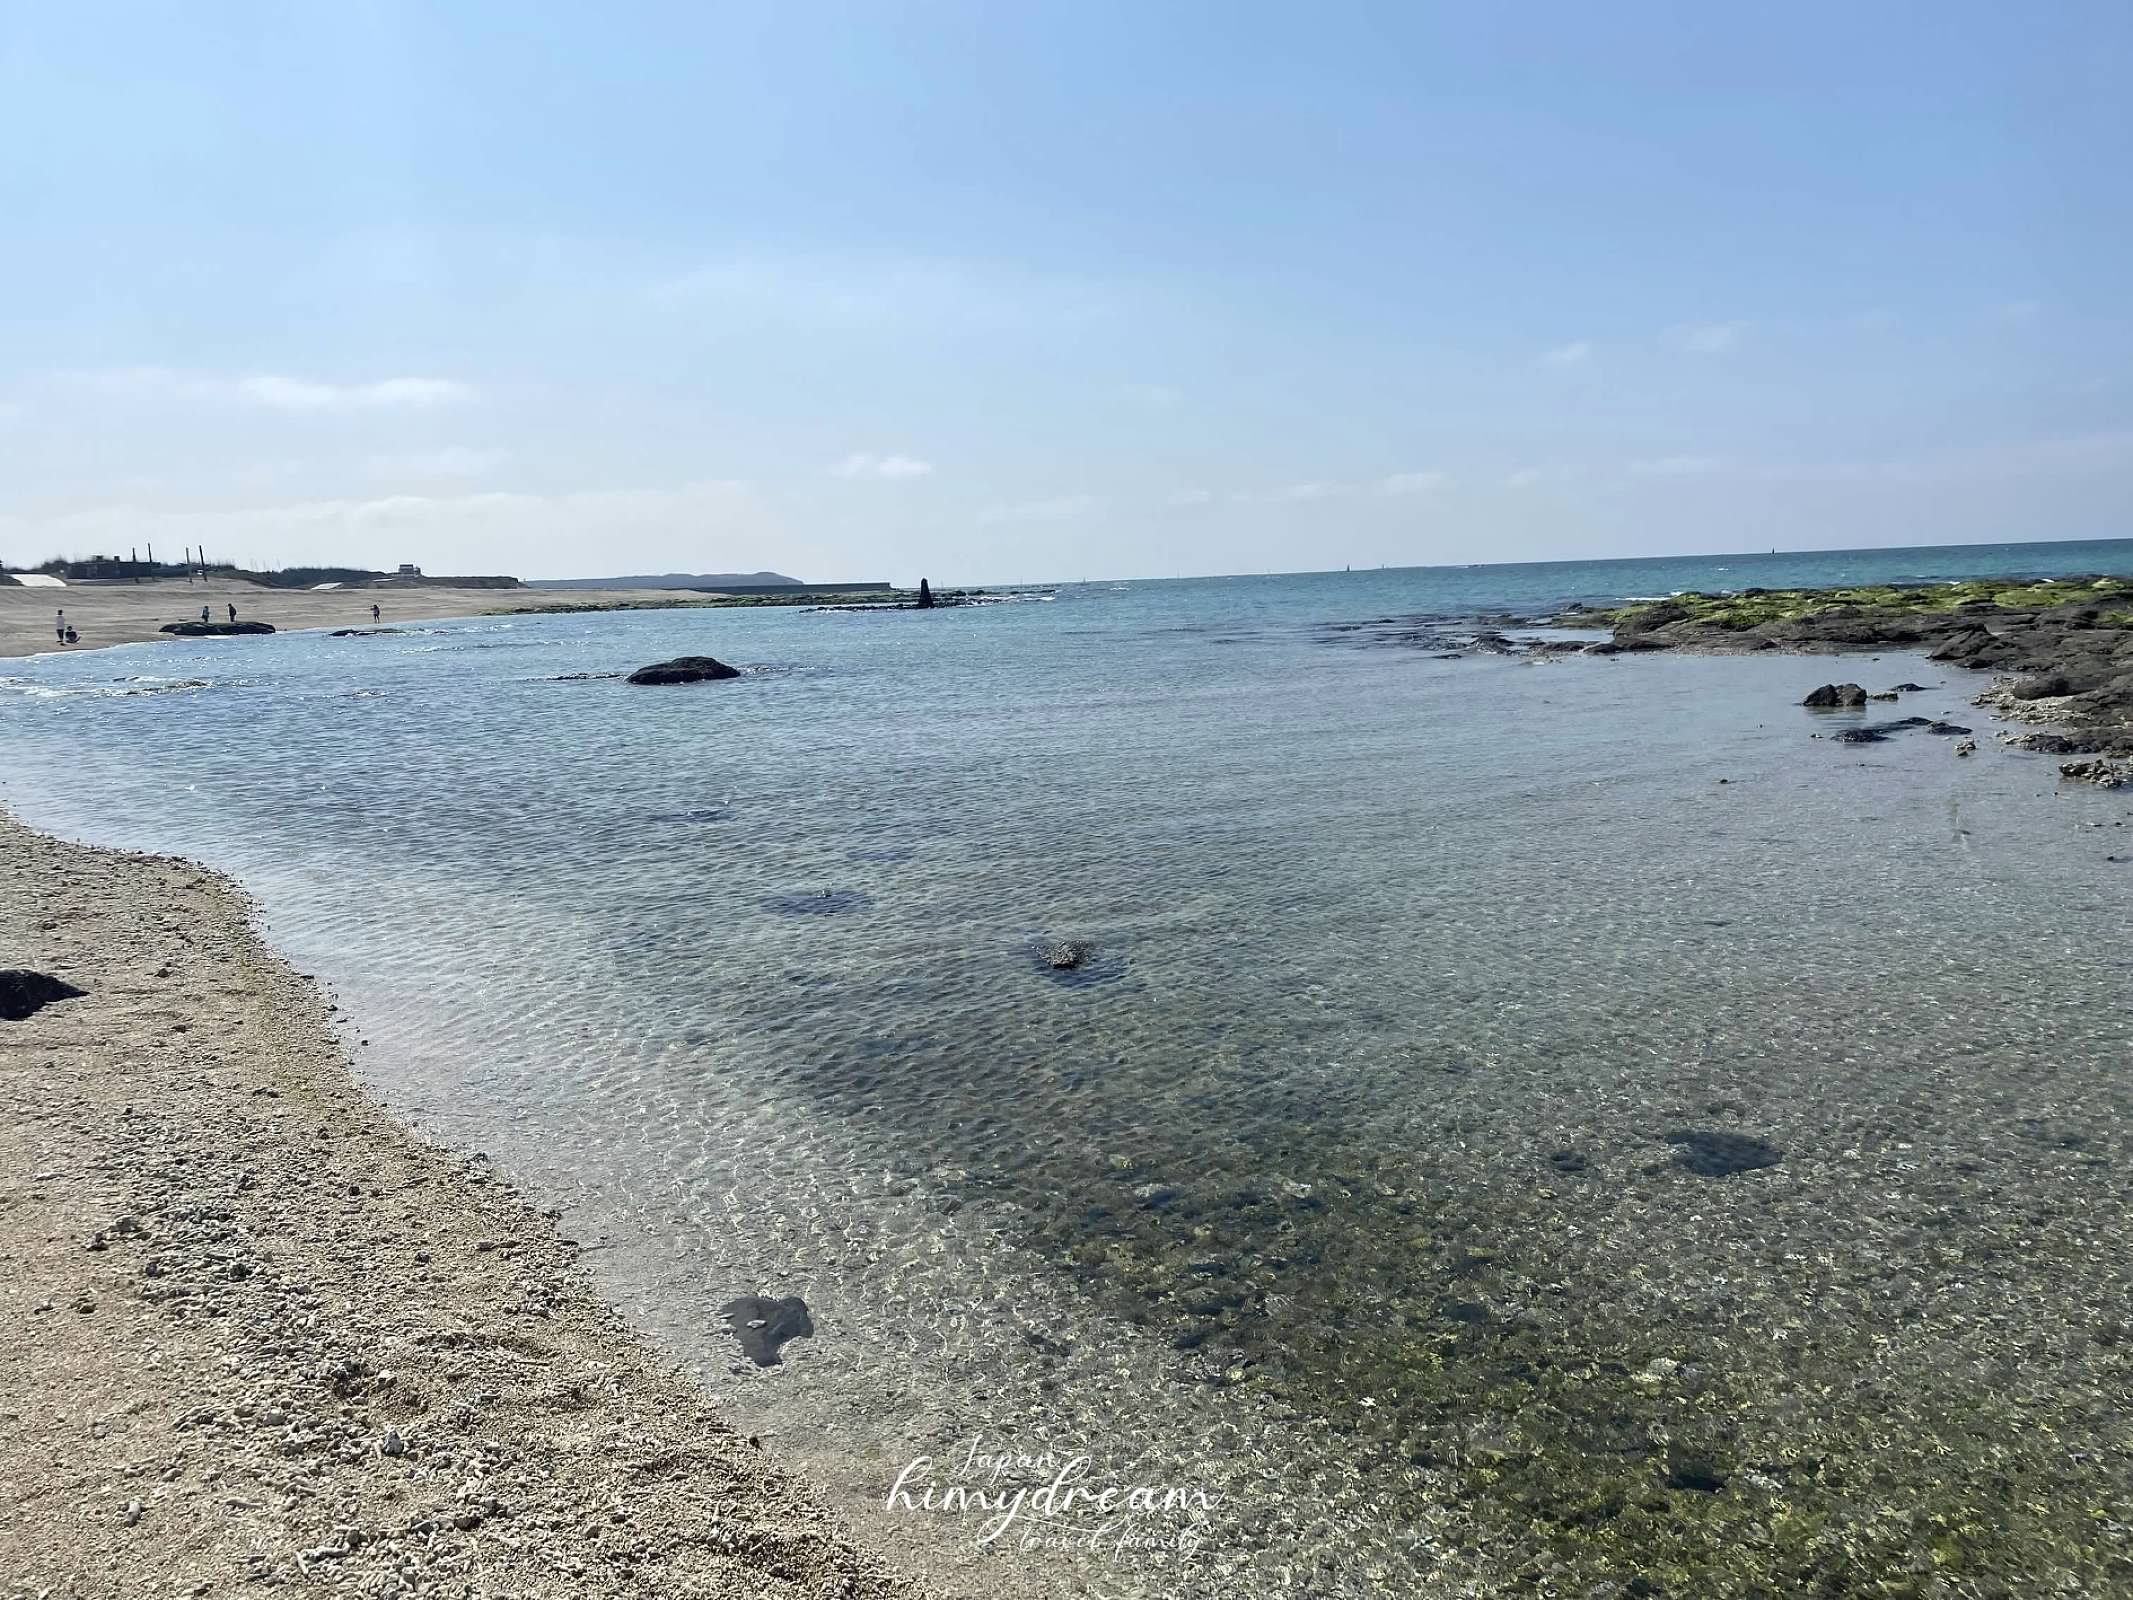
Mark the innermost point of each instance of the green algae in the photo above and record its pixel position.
(1753, 608)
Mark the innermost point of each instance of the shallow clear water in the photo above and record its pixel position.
(1336, 1184)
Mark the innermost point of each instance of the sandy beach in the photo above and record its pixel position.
(257, 1334)
(127, 613)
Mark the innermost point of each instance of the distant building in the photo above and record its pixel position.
(409, 570)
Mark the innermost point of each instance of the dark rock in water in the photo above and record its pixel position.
(203, 630)
(819, 903)
(1834, 695)
(2049, 686)
(925, 595)
(685, 669)
(1888, 696)
(24, 993)
(763, 1325)
(362, 633)
(1908, 688)
(1076, 962)
(2104, 774)
(1569, 1163)
(1711, 1153)
(585, 677)
(1875, 732)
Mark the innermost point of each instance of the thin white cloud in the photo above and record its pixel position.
(1574, 354)
(1677, 466)
(1061, 509)
(275, 391)
(866, 464)
(1524, 478)
(1705, 338)
(452, 461)
(1413, 482)
(1311, 491)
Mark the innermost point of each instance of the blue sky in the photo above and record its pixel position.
(1028, 291)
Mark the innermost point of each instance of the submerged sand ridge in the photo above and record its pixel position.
(257, 1334)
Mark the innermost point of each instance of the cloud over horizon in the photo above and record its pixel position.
(867, 464)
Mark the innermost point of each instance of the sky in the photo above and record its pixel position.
(1000, 291)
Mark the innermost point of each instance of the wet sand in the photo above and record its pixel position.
(258, 1334)
(128, 613)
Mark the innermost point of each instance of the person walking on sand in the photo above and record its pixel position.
(203, 616)
(233, 614)
(373, 613)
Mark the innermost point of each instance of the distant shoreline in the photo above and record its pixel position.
(106, 614)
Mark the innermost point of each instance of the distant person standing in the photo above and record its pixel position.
(373, 613)
(61, 625)
(203, 616)
(233, 613)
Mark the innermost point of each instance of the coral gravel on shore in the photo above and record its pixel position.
(257, 1335)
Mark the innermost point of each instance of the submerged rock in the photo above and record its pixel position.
(362, 633)
(1713, 1153)
(1076, 962)
(819, 903)
(764, 1325)
(1066, 955)
(22, 994)
(685, 669)
(1836, 695)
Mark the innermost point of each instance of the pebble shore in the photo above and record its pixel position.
(258, 1335)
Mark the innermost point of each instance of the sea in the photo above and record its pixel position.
(1251, 1094)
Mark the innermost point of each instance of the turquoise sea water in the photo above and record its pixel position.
(1336, 1186)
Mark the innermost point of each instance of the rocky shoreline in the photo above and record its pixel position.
(2063, 646)
(258, 1334)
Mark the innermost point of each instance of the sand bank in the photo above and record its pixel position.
(256, 1333)
(127, 613)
